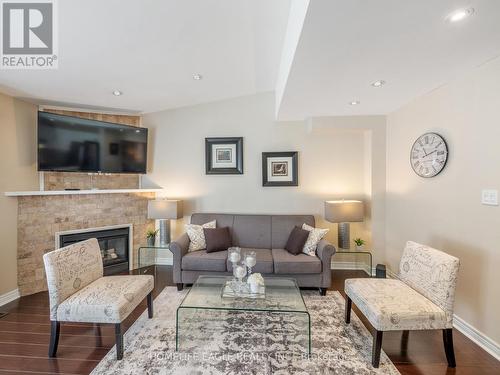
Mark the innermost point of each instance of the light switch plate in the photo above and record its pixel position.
(489, 197)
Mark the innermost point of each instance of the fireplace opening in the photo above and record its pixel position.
(114, 244)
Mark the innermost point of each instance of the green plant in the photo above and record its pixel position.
(359, 242)
(151, 233)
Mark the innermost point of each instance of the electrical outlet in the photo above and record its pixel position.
(489, 197)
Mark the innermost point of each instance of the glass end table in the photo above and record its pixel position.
(362, 252)
(147, 255)
(204, 314)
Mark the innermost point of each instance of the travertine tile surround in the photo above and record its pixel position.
(40, 217)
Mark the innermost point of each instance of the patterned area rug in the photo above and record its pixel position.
(247, 343)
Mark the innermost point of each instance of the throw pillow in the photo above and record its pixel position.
(217, 239)
(196, 235)
(315, 235)
(296, 240)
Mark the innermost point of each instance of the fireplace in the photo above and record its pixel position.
(115, 243)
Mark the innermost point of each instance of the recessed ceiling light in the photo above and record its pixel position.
(378, 83)
(460, 14)
(117, 93)
(354, 102)
(197, 77)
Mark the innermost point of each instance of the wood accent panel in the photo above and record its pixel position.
(24, 339)
(71, 180)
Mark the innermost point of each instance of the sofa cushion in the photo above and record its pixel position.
(264, 260)
(217, 239)
(197, 236)
(315, 235)
(252, 231)
(109, 299)
(282, 225)
(391, 305)
(203, 261)
(286, 263)
(296, 241)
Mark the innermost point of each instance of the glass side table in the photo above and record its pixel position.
(360, 253)
(148, 254)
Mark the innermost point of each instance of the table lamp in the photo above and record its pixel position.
(164, 210)
(344, 212)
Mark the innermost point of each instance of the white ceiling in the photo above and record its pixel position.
(150, 49)
(325, 53)
(346, 45)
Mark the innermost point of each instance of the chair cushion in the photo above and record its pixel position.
(286, 263)
(109, 299)
(202, 261)
(264, 260)
(217, 239)
(391, 305)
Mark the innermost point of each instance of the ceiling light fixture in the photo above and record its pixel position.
(460, 14)
(354, 102)
(117, 93)
(378, 83)
(197, 77)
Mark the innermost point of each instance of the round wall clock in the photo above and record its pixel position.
(428, 155)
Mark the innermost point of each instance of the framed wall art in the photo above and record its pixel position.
(224, 155)
(280, 168)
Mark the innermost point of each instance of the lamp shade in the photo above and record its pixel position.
(164, 209)
(344, 211)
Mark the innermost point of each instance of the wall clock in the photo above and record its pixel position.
(428, 155)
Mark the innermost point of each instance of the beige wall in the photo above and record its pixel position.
(332, 159)
(446, 211)
(17, 172)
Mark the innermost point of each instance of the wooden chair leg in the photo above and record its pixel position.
(180, 286)
(54, 337)
(98, 335)
(322, 291)
(150, 305)
(119, 341)
(404, 341)
(377, 347)
(348, 307)
(448, 347)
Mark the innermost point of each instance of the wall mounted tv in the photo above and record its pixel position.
(72, 144)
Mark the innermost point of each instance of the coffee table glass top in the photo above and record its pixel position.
(281, 295)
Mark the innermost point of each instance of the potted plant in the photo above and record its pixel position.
(151, 236)
(359, 243)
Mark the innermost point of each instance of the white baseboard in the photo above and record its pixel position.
(486, 343)
(9, 297)
(472, 333)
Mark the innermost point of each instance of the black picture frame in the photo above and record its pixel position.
(294, 168)
(237, 142)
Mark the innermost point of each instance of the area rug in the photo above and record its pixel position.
(247, 343)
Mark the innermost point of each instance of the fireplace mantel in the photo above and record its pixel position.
(78, 192)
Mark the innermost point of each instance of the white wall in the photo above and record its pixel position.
(331, 165)
(446, 211)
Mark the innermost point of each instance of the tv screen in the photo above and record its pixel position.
(72, 144)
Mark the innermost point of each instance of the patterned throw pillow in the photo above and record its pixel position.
(196, 235)
(315, 235)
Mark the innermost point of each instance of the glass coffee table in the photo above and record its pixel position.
(204, 314)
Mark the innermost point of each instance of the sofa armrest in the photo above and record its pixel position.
(325, 252)
(179, 248)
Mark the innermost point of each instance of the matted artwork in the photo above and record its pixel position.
(280, 168)
(224, 155)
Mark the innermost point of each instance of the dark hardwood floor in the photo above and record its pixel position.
(24, 338)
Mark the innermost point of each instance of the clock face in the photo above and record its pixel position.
(428, 155)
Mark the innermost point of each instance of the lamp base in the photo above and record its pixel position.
(164, 226)
(344, 236)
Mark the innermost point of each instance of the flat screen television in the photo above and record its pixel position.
(72, 144)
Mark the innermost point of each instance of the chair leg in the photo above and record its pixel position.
(404, 341)
(180, 286)
(54, 337)
(377, 347)
(150, 305)
(322, 291)
(119, 341)
(448, 347)
(348, 307)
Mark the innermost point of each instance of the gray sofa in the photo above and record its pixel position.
(267, 236)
